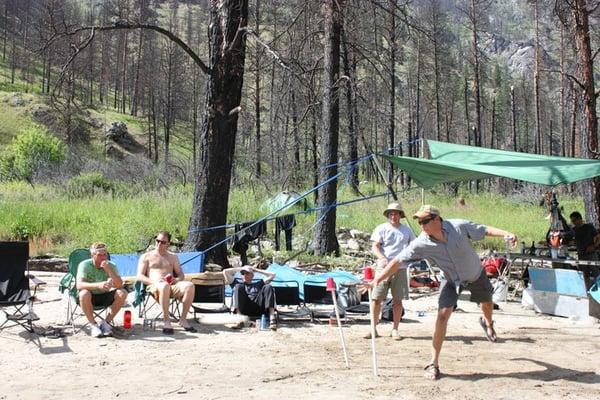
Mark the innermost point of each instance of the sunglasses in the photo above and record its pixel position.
(162, 241)
(426, 220)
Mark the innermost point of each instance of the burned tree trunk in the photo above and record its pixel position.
(325, 238)
(211, 194)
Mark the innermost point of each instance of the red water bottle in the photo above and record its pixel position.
(127, 319)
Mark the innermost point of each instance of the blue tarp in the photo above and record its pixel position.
(284, 273)
(191, 262)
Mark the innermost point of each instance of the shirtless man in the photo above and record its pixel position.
(160, 271)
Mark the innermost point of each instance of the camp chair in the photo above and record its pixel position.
(15, 294)
(236, 281)
(316, 293)
(146, 302)
(191, 263)
(287, 293)
(208, 293)
(69, 283)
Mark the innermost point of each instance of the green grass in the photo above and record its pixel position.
(57, 224)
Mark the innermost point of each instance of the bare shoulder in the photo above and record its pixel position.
(172, 257)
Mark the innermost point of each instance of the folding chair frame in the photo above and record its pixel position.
(287, 293)
(69, 283)
(143, 299)
(209, 294)
(19, 316)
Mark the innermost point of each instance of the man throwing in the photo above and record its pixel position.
(389, 239)
(448, 244)
(160, 271)
(99, 285)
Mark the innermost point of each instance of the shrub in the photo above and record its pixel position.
(88, 184)
(30, 151)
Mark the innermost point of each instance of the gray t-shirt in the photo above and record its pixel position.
(456, 258)
(393, 240)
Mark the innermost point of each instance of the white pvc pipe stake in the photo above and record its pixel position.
(339, 323)
(374, 353)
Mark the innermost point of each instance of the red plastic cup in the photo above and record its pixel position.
(127, 319)
(368, 274)
(330, 284)
(169, 279)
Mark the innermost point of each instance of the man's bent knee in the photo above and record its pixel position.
(444, 314)
(84, 295)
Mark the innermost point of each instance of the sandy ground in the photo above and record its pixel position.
(537, 357)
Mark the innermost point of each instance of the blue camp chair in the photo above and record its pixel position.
(69, 283)
(191, 262)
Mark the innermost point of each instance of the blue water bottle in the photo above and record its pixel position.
(264, 322)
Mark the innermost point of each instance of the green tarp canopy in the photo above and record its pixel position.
(455, 162)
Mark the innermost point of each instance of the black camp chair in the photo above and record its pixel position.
(213, 294)
(16, 299)
(316, 293)
(287, 293)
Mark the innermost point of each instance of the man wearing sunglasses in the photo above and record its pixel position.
(159, 269)
(388, 240)
(447, 244)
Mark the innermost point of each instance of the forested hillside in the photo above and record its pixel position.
(321, 82)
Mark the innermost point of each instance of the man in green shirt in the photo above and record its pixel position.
(99, 284)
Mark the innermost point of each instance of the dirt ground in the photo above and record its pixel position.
(536, 357)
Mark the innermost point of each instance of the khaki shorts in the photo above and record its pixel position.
(397, 284)
(176, 291)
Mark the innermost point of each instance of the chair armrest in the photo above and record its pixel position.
(35, 280)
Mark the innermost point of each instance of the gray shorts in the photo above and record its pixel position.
(481, 291)
(398, 283)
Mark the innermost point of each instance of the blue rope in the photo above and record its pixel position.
(275, 212)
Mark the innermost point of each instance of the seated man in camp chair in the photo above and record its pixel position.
(100, 285)
(160, 271)
(253, 298)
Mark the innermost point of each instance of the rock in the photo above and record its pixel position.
(114, 152)
(117, 131)
(353, 244)
(212, 267)
(55, 264)
(15, 101)
(356, 234)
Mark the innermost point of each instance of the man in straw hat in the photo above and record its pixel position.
(389, 239)
(448, 245)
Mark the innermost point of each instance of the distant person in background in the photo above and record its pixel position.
(587, 238)
(99, 284)
(389, 239)
(159, 269)
(253, 298)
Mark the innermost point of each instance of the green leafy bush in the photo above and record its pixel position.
(89, 184)
(29, 152)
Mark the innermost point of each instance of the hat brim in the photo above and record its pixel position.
(422, 214)
(402, 214)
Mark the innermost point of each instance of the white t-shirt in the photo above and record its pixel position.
(392, 240)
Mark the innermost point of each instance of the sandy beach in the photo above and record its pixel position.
(536, 357)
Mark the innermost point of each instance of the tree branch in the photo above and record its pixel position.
(597, 51)
(569, 76)
(130, 26)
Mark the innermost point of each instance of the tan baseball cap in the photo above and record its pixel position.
(426, 210)
(394, 207)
